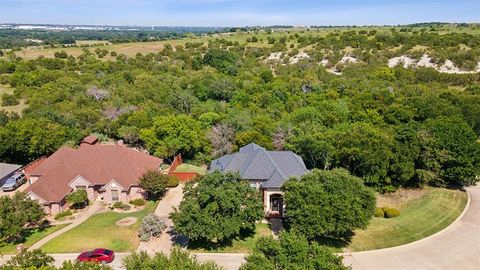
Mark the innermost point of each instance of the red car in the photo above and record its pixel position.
(99, 255)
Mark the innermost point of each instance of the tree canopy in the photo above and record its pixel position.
(218, 208)
(15, 213)
(291, 251)
(327, 203)
(209, 97)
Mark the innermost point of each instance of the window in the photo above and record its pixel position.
(81, 187)
(114, 195)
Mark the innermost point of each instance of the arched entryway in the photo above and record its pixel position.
(276, 205)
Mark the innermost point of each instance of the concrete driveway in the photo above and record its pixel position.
(457, 247)
(164, 243)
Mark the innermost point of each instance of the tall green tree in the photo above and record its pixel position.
(328, 203)
(173, 134)
(15, 213)
(29, 138)
(292, 251)
(218, 208)
(458, 151)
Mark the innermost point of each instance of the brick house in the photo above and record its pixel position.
(106, 171)
(265, 170)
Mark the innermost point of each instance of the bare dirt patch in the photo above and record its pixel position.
(125, 222)
(399, 197)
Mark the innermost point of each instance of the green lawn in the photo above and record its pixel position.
(239, 245)
(100, 231)
(34, 235)
(191, 168)
(419, 218)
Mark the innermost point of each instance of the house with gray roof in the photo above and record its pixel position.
(265, 170)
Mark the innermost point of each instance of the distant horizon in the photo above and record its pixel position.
(237, 13)
(236, 26)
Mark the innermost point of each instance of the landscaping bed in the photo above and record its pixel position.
(101, 230)
(422, 213)
(33, 236)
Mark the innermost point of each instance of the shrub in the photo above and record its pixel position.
(379, 212)
(63, 214)
(9, 100)
(78, 198)
(117, 205)
(152, 226)
(137, 202)
(121, 205)
(391, 212)
(172, 182)
(154, 183)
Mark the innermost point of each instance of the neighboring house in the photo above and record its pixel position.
(106, 171)
(265, 170)
(7, 170)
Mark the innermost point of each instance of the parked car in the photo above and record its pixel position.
(14, 181)
(99, 255)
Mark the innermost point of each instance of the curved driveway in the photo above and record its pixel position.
(457, 247)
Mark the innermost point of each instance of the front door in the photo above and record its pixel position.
(276, 204)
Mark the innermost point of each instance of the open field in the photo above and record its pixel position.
(131, 49)
(91, 42)
(33, 236)
(100, 230)
(239, 245)
(426, 213)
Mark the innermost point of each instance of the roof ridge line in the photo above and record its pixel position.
(275, 165)
(255, 153)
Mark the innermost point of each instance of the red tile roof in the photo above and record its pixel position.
(97, 163)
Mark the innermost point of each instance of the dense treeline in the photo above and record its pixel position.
(16, 38)
(390, 126)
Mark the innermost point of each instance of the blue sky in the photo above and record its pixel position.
(237, 12)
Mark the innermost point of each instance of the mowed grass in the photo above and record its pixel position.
(245, 245)
(100, 230)
(191, 168)
(33, 236)
(419, 218)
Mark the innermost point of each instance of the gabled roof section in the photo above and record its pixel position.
(251, 147)
(79, 180)
(98, 164)
(254, 162)
(114, 184)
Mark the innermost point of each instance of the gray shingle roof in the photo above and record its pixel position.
(7, 170)
(253, 162)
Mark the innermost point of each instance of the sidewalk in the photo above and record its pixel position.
(79, 220)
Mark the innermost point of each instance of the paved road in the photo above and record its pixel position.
(79, 220)
(230, 261)
(60, 258)
(455, 248)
